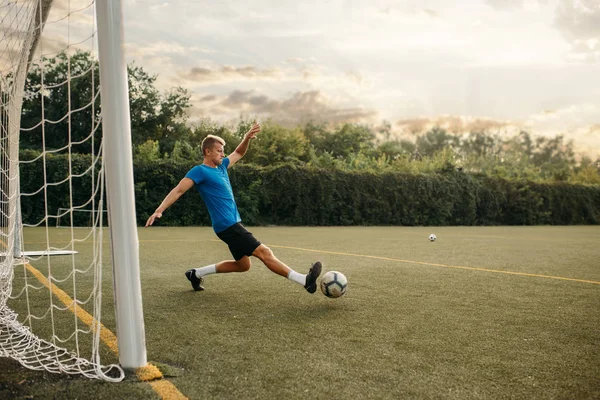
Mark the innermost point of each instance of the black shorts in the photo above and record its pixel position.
(241, 242)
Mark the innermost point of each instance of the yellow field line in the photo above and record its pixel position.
(166, 390)
(497, 271)
(108, 241)
(149, 373)
(400, 260)
(106, 335)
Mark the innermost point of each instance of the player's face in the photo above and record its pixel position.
(217, 153)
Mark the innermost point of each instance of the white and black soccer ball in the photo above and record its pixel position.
(432, 237)
(334, 284)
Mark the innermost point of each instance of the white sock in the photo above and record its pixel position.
(296, 277)
(209, 269)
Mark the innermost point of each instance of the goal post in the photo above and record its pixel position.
(50, 100)
(118, 160)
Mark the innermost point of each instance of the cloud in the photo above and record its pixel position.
(229, 73)
(503, 5)
(299, 60)
(161, 48)
(52, 45)
(565, 118)
(75, 32)
(289, 75)
(159, 7)
(76, 13)
(452, 123)
(392, 10)
(64, 6)
(578, 21)
(300, 106)
(574, 123)
(208, 98)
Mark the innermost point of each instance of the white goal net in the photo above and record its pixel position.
(52, 172)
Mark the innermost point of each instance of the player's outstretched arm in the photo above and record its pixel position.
(184, 185)
(243, 146)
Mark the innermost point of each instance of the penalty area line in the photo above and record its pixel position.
(496, 271)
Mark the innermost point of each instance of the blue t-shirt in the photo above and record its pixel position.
(214, 187)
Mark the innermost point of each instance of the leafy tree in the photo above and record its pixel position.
(171, 120)
(144, 100)
(480, 144)
(436, 140)
(314, 132)
(519, 147)
(553, 151)
(396, 148)
(276, 144)
(65, 90)
(207, 127)
(183, 151)
(587, 172)
(147, 151)
(342, 142)
(60, 85)
(154, 116)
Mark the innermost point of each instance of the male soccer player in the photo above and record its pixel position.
(212, 182)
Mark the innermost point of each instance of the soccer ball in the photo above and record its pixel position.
(432, 237)
(334, 284)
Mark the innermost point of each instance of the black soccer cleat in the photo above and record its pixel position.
(311, 277)
(196, 282)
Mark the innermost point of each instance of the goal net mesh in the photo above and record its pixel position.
(50, 168)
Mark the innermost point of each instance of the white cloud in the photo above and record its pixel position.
(228, 73)
(579, 23)
(456, 124)
(159, 7)
(500, 61)
(573, 123)
(580, 123)
(162, 47)
(565, 119)
(299, 107)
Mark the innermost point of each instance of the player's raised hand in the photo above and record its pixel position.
(253, 130)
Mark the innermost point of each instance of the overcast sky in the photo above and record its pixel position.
(504, 65)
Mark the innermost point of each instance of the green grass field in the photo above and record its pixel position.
(448, 319)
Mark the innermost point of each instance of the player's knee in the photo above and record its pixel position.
(243, 264)
(263, 252)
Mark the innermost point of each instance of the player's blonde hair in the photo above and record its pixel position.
(210, 141)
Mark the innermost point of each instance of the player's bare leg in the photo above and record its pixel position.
(241, 265)
(196, 275)
(309, 281)
(264, 254)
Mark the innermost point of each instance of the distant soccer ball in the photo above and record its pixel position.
(432, 237)
(334, 284)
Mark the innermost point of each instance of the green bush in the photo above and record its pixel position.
(294, 195)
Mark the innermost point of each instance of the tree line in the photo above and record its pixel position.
(161, 130)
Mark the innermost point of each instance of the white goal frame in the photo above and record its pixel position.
(118, 160)
(118, 176)
(64, 212)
